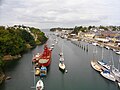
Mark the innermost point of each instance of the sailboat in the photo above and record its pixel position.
(108, 74)
(61, 61)
(39, 85)
(95, 64)
(103, 63)
(116, 71)
(119, 84)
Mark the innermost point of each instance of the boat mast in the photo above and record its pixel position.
(94, 53)
(118, 63)
(112, 65)
(112, 60)
(102, 52)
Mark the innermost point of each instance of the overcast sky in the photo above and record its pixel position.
(59, 13)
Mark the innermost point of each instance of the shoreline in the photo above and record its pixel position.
(2, 77)
(10, 57)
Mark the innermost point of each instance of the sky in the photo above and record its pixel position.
(59, 13)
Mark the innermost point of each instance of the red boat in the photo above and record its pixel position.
(43, 59)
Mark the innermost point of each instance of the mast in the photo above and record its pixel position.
(94, 52)
(102, 52)
(118, 63)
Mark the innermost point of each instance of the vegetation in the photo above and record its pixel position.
(14, 40)
(79, 28)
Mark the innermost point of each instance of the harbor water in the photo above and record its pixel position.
(80, 75)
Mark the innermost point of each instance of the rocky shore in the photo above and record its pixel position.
(2, 77)
(9, 57)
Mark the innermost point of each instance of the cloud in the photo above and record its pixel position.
(49, 13)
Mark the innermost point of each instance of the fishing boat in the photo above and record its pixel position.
(61, 63)
(40, 85)
(107, 74)
(37, 71)
(43, 71)
(45, 57)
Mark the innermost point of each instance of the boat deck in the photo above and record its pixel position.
(43, 60)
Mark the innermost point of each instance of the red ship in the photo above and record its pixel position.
(43, 59)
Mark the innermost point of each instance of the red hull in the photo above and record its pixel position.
(43, 59)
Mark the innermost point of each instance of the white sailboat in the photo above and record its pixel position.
(40, 85)
(107, 74)
(61, 61)
(119, 84)
(116, 71)
(102, 63)
(95, 64)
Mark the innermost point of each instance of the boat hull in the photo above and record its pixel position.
(108, 76)
(62, 66)
(95, 66)
(119, 84)
(44, 59)
(40, 85)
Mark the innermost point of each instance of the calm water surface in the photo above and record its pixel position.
(80, 75)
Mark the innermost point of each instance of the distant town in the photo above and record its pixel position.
(104, 36)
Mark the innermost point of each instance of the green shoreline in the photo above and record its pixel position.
(16, 40)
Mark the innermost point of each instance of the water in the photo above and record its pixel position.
(80, 75)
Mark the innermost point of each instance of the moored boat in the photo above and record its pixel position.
(107, 47)
(61, 63)
(43, 71)
(36, 57)
(107, 74)
(95, 65)
(104, 64)
(40, 85)
(119, 84)
(115, 71)
(62, 66)
(53, 44)
(118, 52)
(94, 44)
(45, 57)
(37, 71)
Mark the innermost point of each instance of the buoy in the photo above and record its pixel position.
(66, 71)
